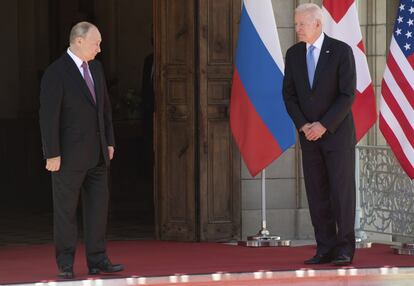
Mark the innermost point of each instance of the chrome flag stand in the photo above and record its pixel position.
(263, 237)
(404, 249)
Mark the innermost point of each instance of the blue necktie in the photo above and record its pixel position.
(310, 62)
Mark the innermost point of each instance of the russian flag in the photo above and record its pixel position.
(259, 121)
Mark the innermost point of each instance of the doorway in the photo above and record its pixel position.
(196, 168)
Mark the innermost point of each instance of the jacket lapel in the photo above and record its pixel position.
(303, 66)
(73, 71)
(323, 59)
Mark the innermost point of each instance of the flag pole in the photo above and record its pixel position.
(264, 230)
(263, 237)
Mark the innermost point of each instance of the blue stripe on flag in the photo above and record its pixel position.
(262, 79)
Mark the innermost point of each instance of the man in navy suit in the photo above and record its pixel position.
(78, 144)
(318, 90)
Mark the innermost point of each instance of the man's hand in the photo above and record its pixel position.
(53, 164)
(315, 131)
(305, 129)
(111, 151)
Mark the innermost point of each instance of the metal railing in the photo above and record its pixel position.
(386, 193)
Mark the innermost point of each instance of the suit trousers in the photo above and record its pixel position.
(92, 186)
(330, 188)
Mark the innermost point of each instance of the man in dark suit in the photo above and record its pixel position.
(318, 90)
(78, 144)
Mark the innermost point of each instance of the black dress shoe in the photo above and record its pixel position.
(66, 272)
(105, 266)
(342, 260)
(319, 259)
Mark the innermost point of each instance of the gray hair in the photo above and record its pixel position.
(314, 10)
(80, 30)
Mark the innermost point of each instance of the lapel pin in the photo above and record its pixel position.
(327, 51)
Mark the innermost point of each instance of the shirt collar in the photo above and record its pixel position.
(318, 43)
(75, 58)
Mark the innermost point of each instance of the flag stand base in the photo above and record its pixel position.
(263, 239)
(404, 249)
(362, 243)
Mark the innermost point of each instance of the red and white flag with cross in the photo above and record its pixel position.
(341, 22)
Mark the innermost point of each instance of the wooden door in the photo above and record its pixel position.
(175, 94)
(219, 158)
(197, 163)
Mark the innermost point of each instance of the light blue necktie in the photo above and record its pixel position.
(310, 62)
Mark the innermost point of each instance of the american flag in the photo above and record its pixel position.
(397, 91)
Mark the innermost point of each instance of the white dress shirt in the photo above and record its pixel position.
(78, 63)
(318, 46)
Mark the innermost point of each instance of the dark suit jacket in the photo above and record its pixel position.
(72, 126)
(330, 100)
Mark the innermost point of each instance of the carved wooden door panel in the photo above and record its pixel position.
(175, 170)
(219, 163)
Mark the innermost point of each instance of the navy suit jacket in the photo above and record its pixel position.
(330, 99)
(72, 125)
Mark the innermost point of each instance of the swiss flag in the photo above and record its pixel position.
(341, 22)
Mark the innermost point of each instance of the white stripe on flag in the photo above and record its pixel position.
(264, 21)
(402, 62)
(395, 127)
(399, 96)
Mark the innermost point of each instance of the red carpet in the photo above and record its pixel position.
(159, 258)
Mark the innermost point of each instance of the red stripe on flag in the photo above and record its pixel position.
(410, 59)
(396, 147)
(256, 143)
(337, 8)
(400, 79)
(397, 111)
(364, 111)
(361, 46)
